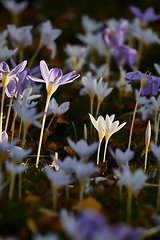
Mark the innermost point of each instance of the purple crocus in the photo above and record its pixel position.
(113, 37)
(148, 16)
(8, 75)
(151, 83)
(53, 78)
(125, 55)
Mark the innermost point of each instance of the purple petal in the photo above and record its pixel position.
(35, 79)
(55, 75)
(44, 70)
(136, 11)
(19, 68)
(4, 67)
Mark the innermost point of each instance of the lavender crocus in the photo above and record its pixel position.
(151, 83)
(125, 55)
(53, 78)
(148, 16)
(21, 36)
(8, 75)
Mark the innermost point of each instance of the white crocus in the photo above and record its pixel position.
(99, 124)
(110, 127)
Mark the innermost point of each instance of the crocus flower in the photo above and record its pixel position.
(48, 35)
(156, 151)
(6, 53)
(58, 110)
(53, 78)
(102, 91)
(58, 179)
(148, 16)
(90, 24)
(18, 169)
(77, 55)
(13, 6)
(134, 180)
(110, 128)
(113, 37)
(5, 145)
(28, 115)
(150, 83)
(3, 38)
(8, 74)
(125, 56)
(20, 36)
(83, 150)
(122, 157)
(99, 125)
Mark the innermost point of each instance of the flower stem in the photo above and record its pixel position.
(129, 205)
(12, 181)
(81, 192)
(105, 150)
(54, 197)
(98, 106)
(91, 112)
(35, 54)
(42, 130)
(13, 125)
(8, 114)
(1, 111)
(158, 193)
(133, 118)
(98, 152)
(157, 129)
(146, 157)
